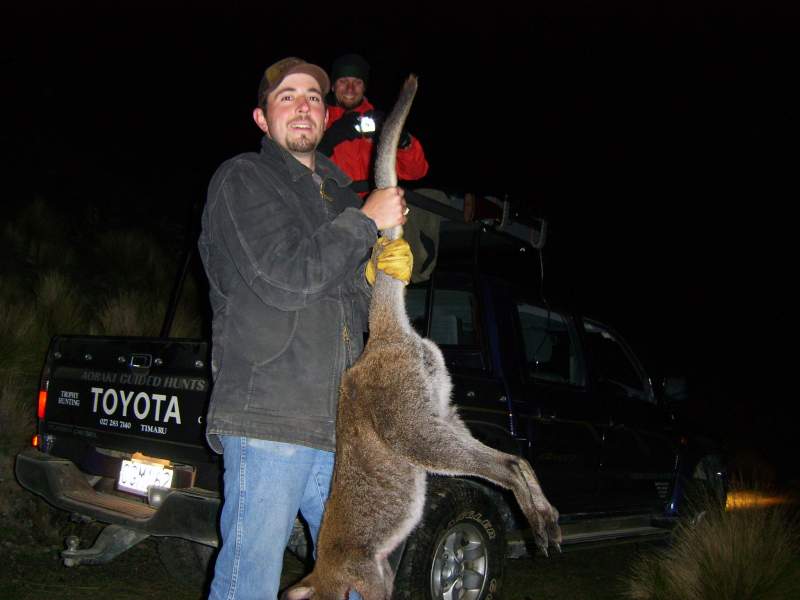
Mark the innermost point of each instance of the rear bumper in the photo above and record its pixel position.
(189, 513)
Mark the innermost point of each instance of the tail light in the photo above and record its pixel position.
(41, 440)
(42, 404)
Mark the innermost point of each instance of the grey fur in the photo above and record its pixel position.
(395, 424)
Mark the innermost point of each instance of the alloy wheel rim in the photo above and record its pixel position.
(460, 564)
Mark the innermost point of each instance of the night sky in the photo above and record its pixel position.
(660, 143)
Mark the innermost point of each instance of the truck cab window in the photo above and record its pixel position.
(550, 349)
(417, 306)
(454, 323)
(613, 363)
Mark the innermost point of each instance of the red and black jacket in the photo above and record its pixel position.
(353, 151)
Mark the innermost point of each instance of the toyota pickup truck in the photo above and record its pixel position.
(121, 439)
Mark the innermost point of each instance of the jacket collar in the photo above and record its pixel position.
(325, 167)
(338, 111)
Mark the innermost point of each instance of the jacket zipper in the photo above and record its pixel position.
(346, 337)
(323, 194)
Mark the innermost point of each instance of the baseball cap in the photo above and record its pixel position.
(278, 71)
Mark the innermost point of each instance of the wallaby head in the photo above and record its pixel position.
(299, 592)
(327, 583)
(309, 593)
(305, 590)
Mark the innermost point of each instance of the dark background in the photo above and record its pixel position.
(658, 139)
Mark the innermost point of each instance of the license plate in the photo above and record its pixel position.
(136, 476)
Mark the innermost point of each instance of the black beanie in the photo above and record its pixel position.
(350, 65)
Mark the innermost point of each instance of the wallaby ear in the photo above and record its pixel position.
(299, 593)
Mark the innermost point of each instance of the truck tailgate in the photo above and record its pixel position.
(110, 389)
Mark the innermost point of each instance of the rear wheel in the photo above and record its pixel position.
(707, 489)
(298, 541)
(185, 561)
(458, 550)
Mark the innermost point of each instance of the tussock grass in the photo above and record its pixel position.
(29, 319)
(132, 260)
(38, 236)
(21, 358)
(188, 322)
(141, 313)
(17, 420)
(743, 554)
(17, 325)
(59, 304)
(131, 313)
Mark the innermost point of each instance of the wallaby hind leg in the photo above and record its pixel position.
(449, 449)
(552, 532)
(521, 480)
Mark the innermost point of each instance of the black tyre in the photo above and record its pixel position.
(298, 543)
(706, 490)
(185, 561)
(458, 550)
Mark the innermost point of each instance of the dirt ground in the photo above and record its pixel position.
(29, 573)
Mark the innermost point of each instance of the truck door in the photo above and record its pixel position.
(447, 310)
(638, 449)
(563, 423)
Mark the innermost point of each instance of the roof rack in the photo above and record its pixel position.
(472, 208)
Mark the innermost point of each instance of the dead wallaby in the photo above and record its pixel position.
(396, 424)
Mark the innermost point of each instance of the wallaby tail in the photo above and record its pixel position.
(386, 159)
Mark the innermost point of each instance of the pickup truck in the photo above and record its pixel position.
(121, 434)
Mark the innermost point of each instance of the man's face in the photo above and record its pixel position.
(349, 91)
(295, 117)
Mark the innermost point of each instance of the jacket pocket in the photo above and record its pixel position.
(259, 333)
(303, 380)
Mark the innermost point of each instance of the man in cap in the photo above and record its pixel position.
(353, 127)
(284, 244)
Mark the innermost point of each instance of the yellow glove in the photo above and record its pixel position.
(393, 258)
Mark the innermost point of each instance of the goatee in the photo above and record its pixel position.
(301, 144)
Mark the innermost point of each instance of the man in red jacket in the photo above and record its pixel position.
(354, 126)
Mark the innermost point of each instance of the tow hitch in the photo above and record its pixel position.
(112, 541)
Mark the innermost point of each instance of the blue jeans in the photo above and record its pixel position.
(266, 483)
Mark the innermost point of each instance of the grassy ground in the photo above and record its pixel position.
(32, 573)
(590, 574)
